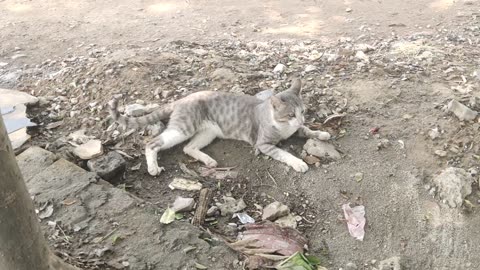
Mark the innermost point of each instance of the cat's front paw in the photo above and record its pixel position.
(211, 163)
(155, 170)
(299, 166)
(323, 136)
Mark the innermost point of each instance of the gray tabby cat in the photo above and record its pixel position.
(204, 116)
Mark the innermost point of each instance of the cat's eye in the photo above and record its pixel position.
(291, 115)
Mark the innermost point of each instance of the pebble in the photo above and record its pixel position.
(275, 210)
(287, 221)
(310, 68)
(89, 150)
(279, 68)
(441, 153)
(231, 206)
(434, 133)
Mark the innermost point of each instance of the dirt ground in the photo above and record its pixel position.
(423, 54)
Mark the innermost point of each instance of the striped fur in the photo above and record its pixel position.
(162, 113)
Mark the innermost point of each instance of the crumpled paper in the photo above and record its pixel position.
(355, 218)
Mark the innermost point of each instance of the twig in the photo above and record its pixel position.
(273, 179)
(202, 208)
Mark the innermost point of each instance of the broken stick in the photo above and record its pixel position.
(202, 208)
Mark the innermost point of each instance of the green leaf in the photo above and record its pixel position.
(178, 216)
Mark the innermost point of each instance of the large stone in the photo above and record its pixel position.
(275, 210)
(453, 184)
(33, 161)
(108, 166)
(461, 111)
(321, 149)
(89, 150)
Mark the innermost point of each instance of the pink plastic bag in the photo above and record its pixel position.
(355, 218)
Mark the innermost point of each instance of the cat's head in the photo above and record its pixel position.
(288, 107)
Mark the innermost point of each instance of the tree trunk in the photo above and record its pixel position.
(22, 245)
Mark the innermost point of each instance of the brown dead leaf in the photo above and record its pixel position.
(310, 160)
(69, 202)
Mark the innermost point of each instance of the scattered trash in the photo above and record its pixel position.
(183, 204)
(355, 218)
(269, 238)
(89, 150)
(244, 218)
(374, 130)
(274, 211)
(453, 184)
(168, 216)
(46, 213)
(461, 111)
(231, 206)
(185, 184)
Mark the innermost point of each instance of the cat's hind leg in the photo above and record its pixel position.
(168, 138)
(199, 141)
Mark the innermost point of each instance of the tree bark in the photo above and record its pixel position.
(22, 245)
(202, 208)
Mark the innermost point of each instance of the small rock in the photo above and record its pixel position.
(108, 166)
(231, 206)
(212, 211)
(310, 160)
(362, 56)
(18, 55)
(89, 150)
(441, 153)
(183, 204)
(200, 52)
(348, 10)
(364, 47)
(167, 93)
(321, 149)
(434, 133)
(74, 101)
(279, 68)
(358, 177)
(310, 68)
(185, 184)
(275, 210)
(454, 184)
(392, 263)
(350, 266)
(461, 111)
(135, 110)
(287, 221)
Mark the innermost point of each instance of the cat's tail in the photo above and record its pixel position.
(154, 117)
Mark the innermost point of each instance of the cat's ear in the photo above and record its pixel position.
(276, 102)
(296, 86)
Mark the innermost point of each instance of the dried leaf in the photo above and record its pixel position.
(310, 160)
(168, 216)
(200, 266)
(48, 212)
